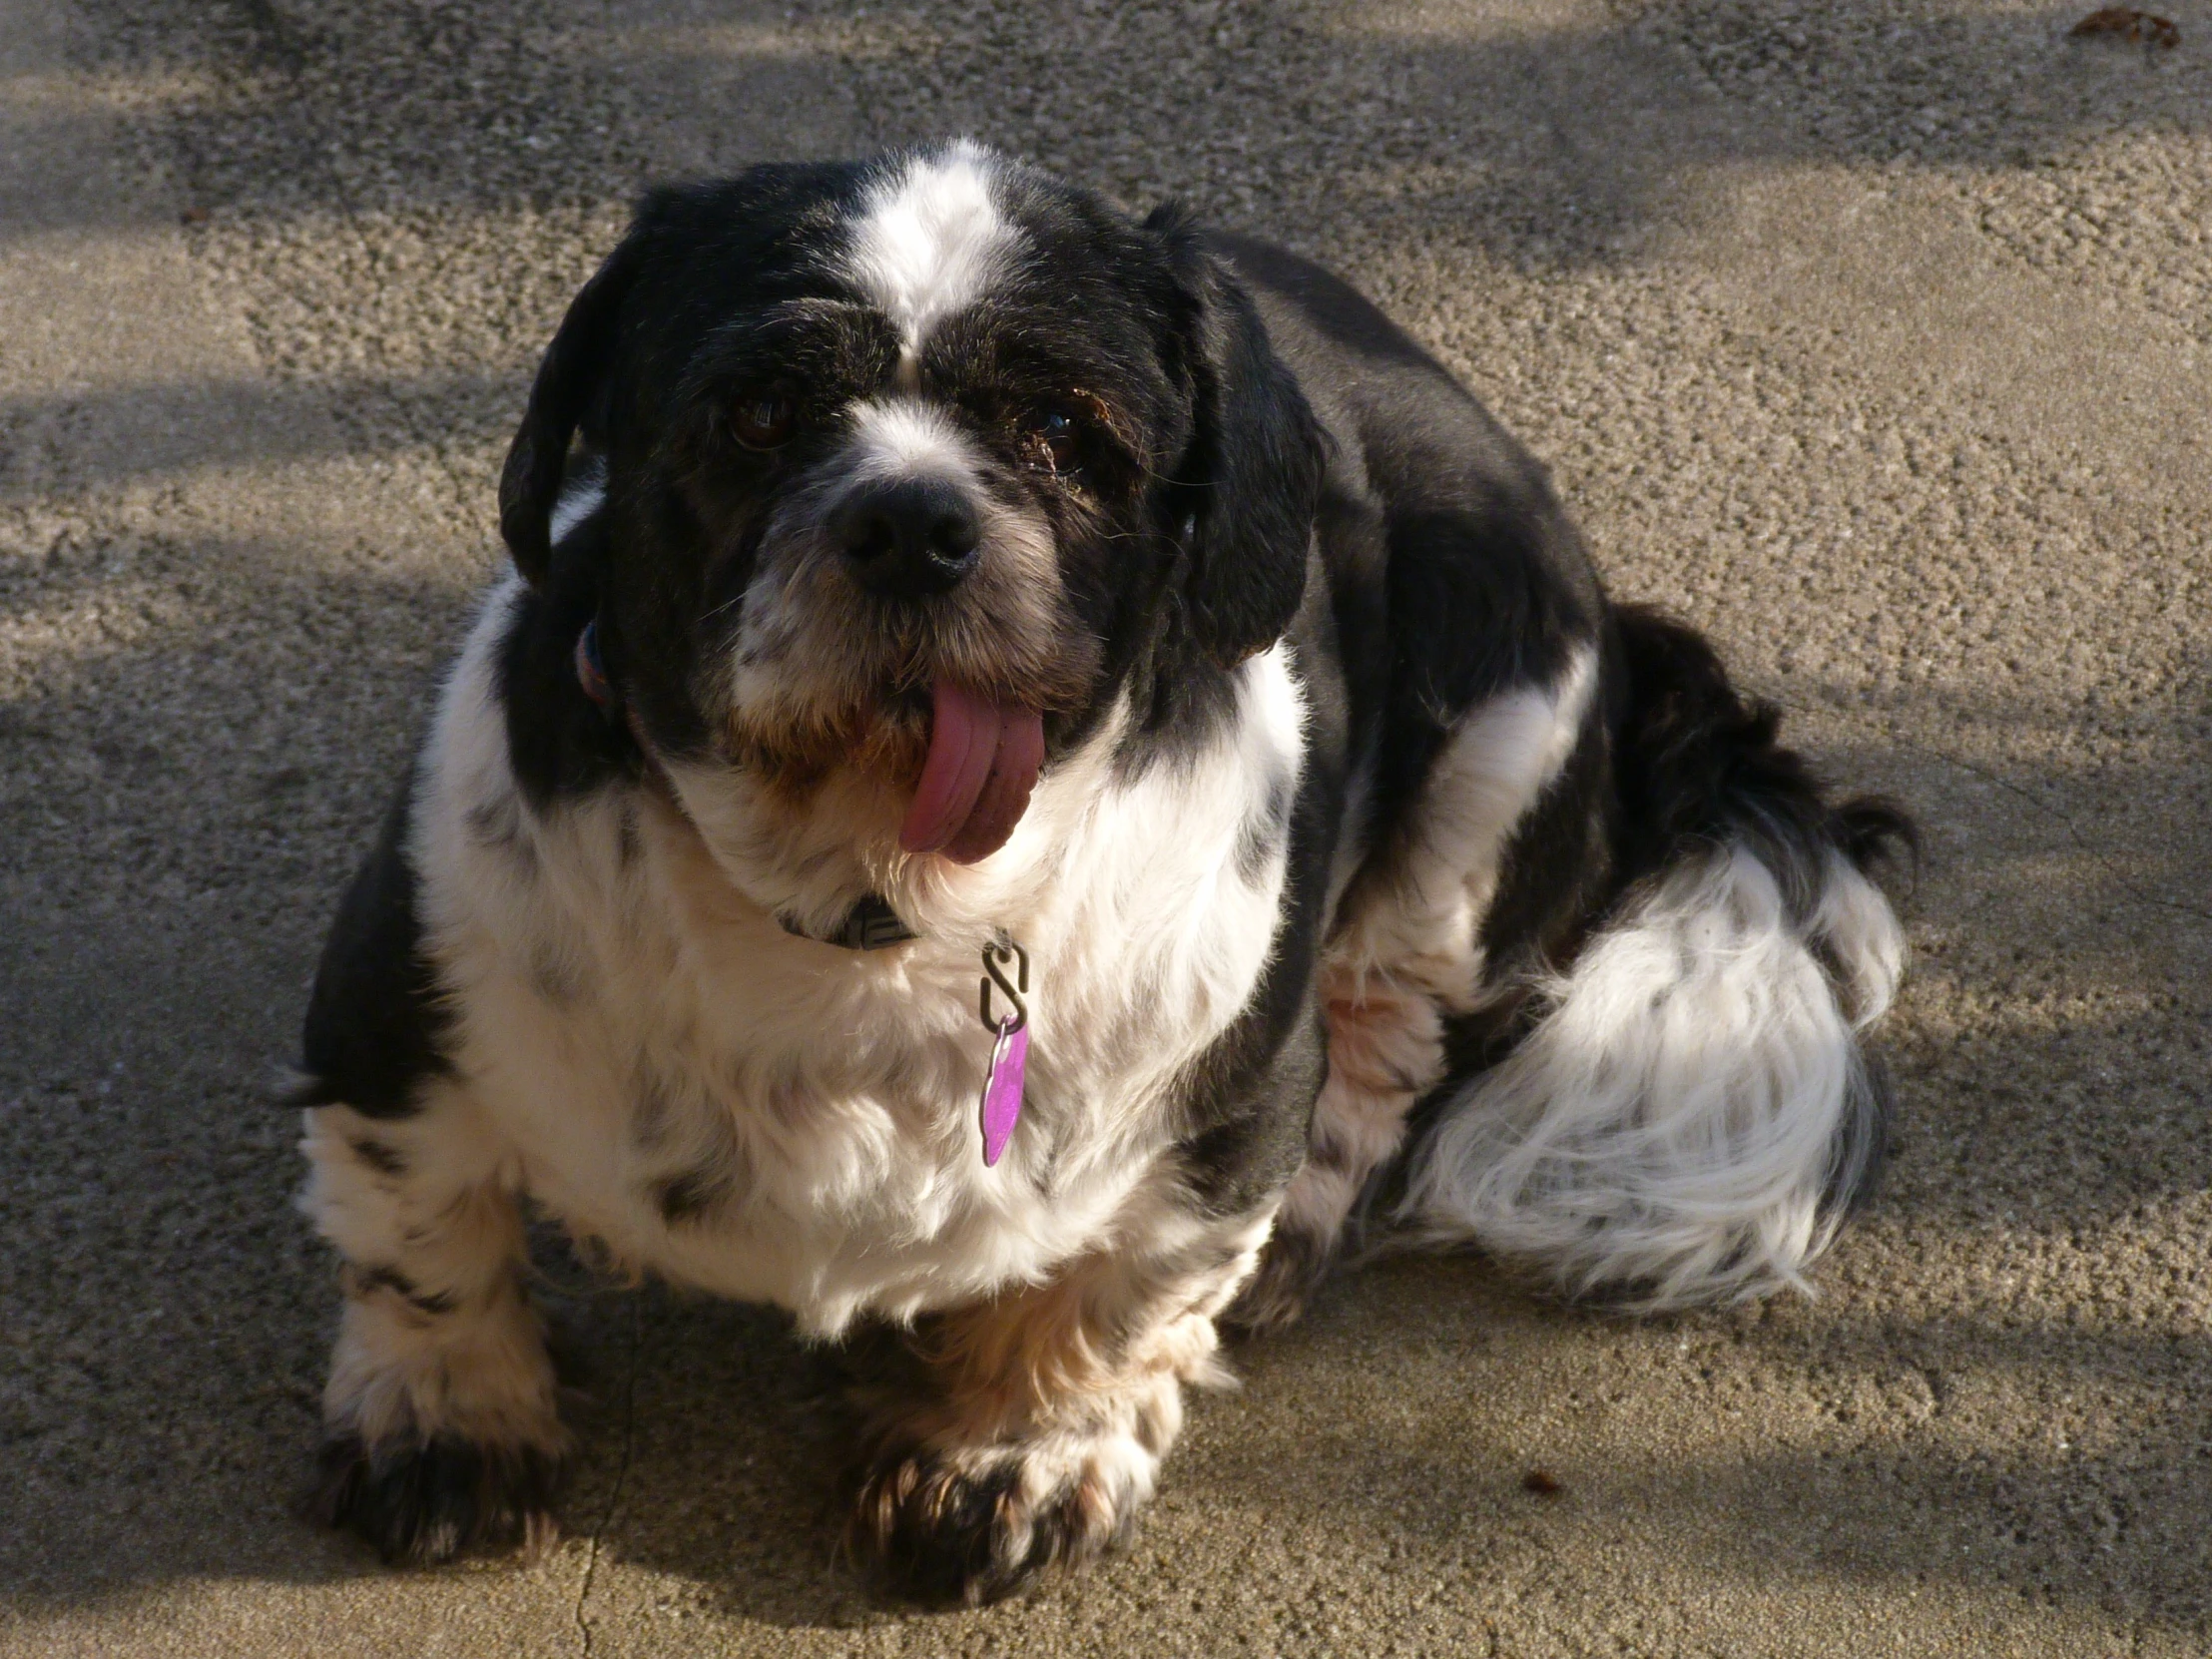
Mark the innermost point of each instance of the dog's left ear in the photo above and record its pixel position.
(1249, 480)
(573, 373)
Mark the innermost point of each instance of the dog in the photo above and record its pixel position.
(1035, 773)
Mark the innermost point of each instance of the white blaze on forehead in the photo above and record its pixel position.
(929, 239)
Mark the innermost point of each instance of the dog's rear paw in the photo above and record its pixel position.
(423, 1501)
(975, 1524)
(1291, 1270)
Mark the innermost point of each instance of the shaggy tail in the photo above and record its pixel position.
(1688, 1116)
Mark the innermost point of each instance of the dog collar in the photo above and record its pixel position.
(591, 669)
(871, 924)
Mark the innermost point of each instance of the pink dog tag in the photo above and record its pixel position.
(1003, 1088)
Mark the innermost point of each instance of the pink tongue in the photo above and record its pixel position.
(983, 761)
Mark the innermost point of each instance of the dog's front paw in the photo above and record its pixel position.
(976, 1523)
(422, 1501)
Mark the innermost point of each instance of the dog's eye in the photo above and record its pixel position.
(763, 420)
(1052, 439)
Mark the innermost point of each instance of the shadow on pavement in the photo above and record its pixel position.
(172, 1313)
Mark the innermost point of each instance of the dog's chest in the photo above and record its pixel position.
(773, 1118)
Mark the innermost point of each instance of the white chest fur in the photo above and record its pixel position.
(664, 1067)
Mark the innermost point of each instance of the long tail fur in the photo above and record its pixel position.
(1689, 1116)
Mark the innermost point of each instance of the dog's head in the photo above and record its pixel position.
(911, 468)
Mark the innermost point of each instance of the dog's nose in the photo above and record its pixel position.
(909, 537)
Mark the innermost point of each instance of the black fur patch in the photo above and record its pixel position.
(1260, 837)
(391, 1278)
(430, 1501)
(1252, 475)
(1861, 1151)
(1697, 762)
(377, 1022)
(495, 825)
(560, 742)
(690, 1196)
(1292, 1268)
(939, 1535)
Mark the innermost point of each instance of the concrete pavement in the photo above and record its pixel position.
(1873, 335)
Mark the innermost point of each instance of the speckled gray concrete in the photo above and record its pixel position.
(1874, 335)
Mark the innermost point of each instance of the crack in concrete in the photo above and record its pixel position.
(622, 1475)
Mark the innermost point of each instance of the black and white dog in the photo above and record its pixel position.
(930, 581)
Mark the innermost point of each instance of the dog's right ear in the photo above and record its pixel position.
(1250, 480)
(573, 373)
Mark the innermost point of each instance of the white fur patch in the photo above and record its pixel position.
(581, 495)
(438, 1335)
(1421, 921)
(628, 1018)
(929, 239)
(1668, 1129)
(905, 437)
(1409, 949)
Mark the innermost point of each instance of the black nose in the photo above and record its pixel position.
(909, 537)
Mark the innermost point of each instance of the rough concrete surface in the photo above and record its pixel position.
(1875, 335)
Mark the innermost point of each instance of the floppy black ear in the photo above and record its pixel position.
(573, 373)
(1250, 480)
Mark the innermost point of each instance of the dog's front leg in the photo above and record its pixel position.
(1042, 1416)
(441, 1429)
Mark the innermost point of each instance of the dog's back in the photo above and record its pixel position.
(1601, 946)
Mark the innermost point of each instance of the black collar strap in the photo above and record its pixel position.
(871, 924)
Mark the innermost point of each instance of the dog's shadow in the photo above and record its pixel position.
(715, 1444)
(711, 1447)
(1426, 1414)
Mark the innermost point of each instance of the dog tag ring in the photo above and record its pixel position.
(1001, 1106)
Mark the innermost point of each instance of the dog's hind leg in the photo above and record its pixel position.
(1690, 1116)
(1406, 954)
(1386, 1049)
(1041, 1416)
(441, 1429)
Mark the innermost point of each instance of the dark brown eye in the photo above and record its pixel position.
(763, 420)
(1053, 441)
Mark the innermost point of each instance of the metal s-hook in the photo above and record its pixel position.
(1000, 951)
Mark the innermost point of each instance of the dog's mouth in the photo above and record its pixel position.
(976, 779)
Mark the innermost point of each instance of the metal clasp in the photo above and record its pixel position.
(1000, 951)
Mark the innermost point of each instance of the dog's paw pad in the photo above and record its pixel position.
(422, 1501)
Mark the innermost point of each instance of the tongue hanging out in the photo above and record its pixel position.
(983, 761)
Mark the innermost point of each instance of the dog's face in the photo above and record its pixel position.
(911, 466)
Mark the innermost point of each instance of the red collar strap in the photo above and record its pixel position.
(591, 669)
